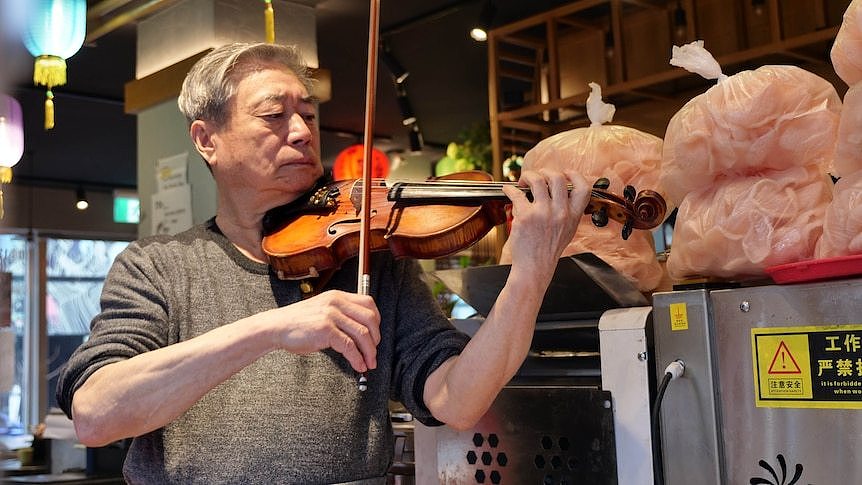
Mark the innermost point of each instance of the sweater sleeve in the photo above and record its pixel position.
(425, 339)
(132, 321)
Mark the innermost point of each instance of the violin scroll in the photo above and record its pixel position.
(634, 210)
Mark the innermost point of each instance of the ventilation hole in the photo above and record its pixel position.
(493, 441)
(487, 458)
(539, 461)
(556, 462)
(547, 442)
(480, 476)
(471, 457)
(502, 459)
(478, 440)
(549, 480)
(564, 443)
(495, 477)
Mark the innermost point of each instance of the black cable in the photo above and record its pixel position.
(658, 472)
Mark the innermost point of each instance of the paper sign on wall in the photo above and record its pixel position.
(172, 200)
(172, 210)
(172, 171)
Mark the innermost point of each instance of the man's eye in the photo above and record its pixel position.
(273, 116)
(309, 117)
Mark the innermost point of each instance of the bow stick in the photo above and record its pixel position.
(364, 278)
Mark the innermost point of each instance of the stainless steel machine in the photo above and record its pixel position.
(554, 423)
(772, 388)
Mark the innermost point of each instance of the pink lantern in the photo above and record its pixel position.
(11, 136)
(11, 140)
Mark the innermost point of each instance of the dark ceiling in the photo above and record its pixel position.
(94, 142)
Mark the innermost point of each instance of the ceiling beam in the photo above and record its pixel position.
(425, 17)
(137, 9)
(104, 7)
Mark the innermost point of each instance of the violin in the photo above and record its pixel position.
(425, 220)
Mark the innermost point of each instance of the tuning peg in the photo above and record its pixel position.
(629, 193)
(627, 228)
(600, 217)
(602, 183)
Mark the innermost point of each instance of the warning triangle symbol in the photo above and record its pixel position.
(783, 361)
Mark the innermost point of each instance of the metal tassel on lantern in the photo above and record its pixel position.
(55, 31)
(269, 21)
(11, 140)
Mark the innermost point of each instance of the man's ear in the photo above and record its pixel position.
(202, 137)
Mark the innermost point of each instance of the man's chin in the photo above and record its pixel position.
(296, 183)
(299, 173)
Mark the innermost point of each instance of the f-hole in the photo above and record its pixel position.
(333, 228)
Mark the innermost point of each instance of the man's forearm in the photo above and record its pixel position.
(141, 394)
(461, 390)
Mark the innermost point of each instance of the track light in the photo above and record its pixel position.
(407, 116)
(416, 141)
(399, 74)
(758, 6)
(81, 200)
(679, 20)
(609, 44)
(479, 32)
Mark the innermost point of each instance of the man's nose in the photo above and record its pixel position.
(299, 132)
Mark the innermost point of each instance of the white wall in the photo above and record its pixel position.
(163, 132)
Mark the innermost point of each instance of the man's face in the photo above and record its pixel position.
(269, 147)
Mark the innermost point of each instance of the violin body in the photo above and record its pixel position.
(424, 220)
(321, 233)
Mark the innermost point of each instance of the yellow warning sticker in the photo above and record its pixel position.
(678, 316)
(808, 367)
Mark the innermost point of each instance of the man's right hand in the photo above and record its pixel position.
(348, 323)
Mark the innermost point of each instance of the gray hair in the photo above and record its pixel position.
(211, 82)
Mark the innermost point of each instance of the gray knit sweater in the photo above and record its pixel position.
(285, 418)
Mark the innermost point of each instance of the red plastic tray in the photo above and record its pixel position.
(817, 269)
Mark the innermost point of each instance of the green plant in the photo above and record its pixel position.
(471, 150)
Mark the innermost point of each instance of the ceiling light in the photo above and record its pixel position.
(479, 32)
(81, 200)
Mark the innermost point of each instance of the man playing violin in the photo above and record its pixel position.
(222, 373)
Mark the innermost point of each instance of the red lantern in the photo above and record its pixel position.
(348, 163)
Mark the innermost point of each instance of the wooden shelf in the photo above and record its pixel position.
(539, 67)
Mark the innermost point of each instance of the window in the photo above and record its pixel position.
(74, 272)
(13, 304)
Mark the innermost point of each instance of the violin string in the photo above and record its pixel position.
(477, 186)
(461, 184)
